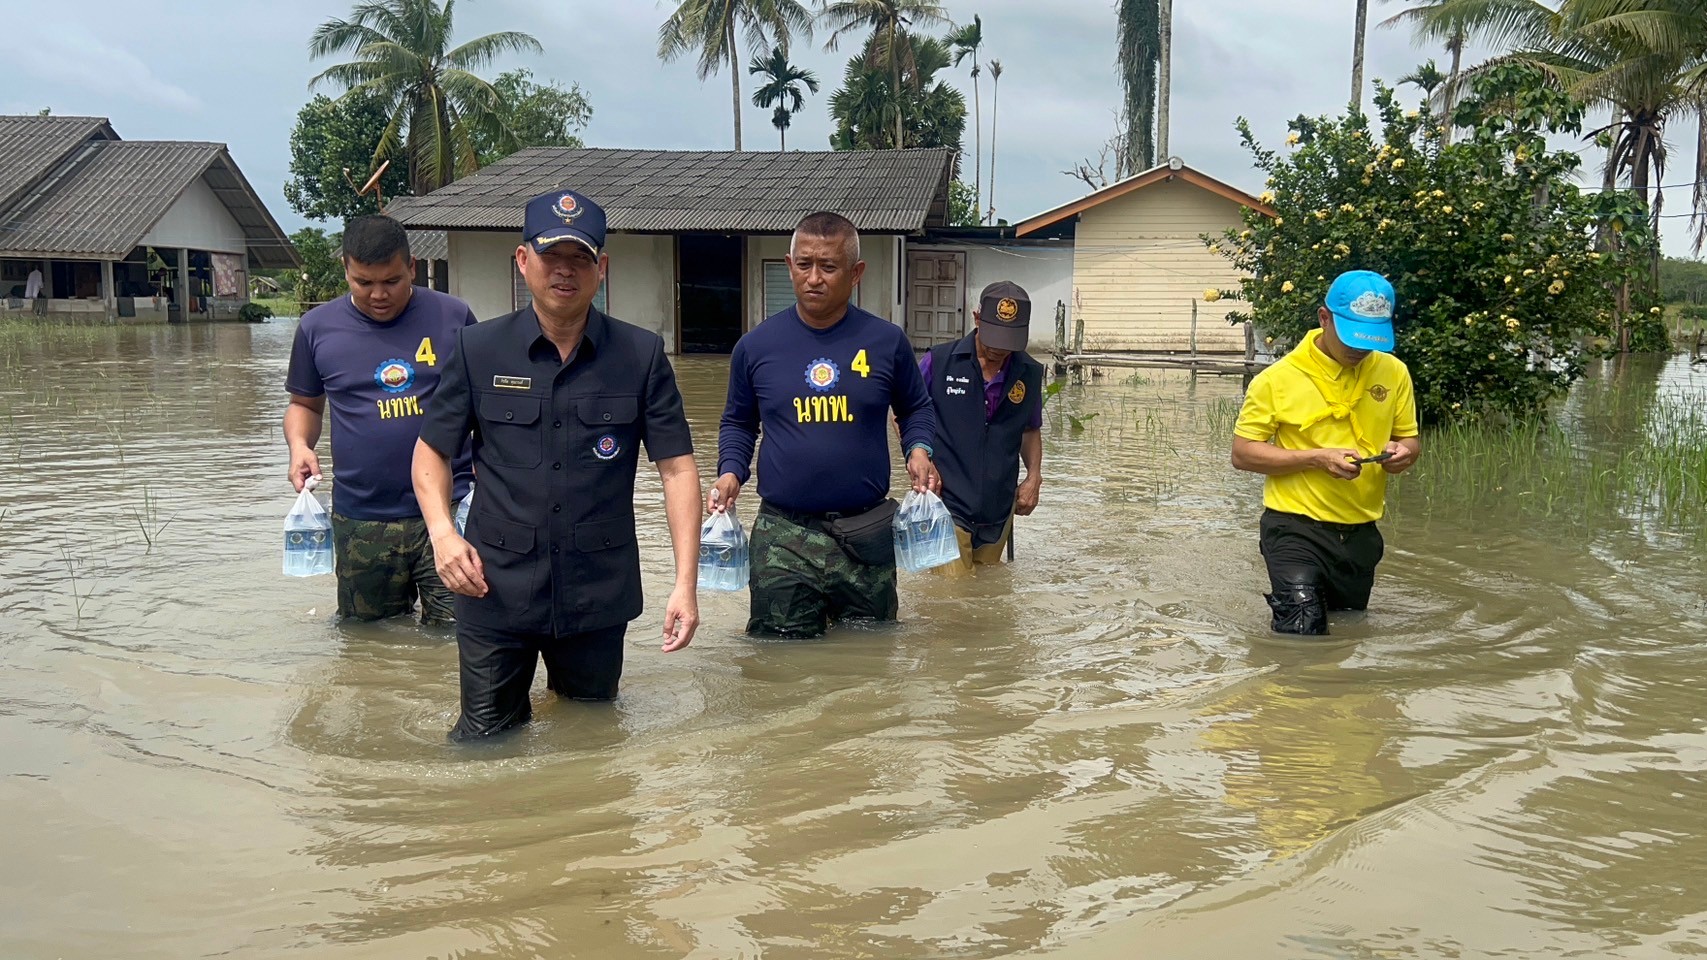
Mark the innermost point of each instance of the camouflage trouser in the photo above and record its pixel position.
(383, 565)
(802, 581)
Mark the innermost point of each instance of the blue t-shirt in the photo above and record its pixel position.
(823, 398)
(377, 378)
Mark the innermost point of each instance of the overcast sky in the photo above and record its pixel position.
(237, 71)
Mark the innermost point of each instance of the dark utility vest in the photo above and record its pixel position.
(978, 458)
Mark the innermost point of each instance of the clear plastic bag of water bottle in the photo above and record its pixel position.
(307, 535)
(723, 563)
(924, 533)
(462, 511)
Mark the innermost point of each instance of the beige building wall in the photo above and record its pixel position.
(641, 283)
(1139, 262)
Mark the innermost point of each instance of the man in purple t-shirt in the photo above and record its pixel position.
(376, 355)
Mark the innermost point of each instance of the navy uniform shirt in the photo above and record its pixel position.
(823, 399)
(556, 447)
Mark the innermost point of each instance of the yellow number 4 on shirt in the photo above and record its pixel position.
(424, 352)
(859, 365)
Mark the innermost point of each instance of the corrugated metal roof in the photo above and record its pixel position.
(666, 191)
(429, 245)
(31, 147)
(103, 202)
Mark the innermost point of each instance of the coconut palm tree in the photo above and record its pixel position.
(1646, 60)
(1139, 56)
(933, 113)
(403, 58)
(781, 89)
(1426, 77)
(707, 29)
(995, 99)
(1453, 34)
(966, 40)
(890, 44)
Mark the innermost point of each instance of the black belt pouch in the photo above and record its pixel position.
(868, 537)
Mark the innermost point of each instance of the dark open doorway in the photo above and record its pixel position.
(708, 271)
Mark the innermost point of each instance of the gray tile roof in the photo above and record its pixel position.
(31, 147)
(102, 203)
(668, 191)
(428, 244)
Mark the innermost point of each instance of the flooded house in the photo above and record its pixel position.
(698, 240)
(93, 226)
(1139, 263)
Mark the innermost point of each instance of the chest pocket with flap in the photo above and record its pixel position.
(612, 418)
(510, 428)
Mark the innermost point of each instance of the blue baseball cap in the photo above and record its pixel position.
(564, 215)
(1362, 303)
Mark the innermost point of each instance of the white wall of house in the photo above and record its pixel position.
(642, 282)
(1139, 263)
(1046, 273)
(197, 220)
(759, 250)
(480, 270)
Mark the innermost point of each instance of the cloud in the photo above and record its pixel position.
(70, 57)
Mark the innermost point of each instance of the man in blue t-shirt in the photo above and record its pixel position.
(376, 355)
(820, 378)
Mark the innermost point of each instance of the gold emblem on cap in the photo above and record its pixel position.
(1007, 309)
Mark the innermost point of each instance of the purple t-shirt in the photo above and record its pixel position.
(992, 390)
(377, 378)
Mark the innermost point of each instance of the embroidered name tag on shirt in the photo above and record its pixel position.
(513, 383)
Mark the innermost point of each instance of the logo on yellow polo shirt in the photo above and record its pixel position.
(1017, 394)
(1378, 393)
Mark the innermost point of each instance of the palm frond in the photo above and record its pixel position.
(481, 51)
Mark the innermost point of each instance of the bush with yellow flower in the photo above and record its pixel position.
(1502, 292)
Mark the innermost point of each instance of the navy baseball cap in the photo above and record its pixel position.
(564, 215)
(1004, 316)
(1362, 303)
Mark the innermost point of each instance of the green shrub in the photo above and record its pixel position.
(1507, 275)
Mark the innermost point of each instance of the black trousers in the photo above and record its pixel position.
(497, 669)
(1314, 567)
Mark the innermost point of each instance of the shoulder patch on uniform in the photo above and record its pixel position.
(512, 383)
(1017, 394)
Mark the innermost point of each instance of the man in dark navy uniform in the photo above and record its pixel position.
(988, 395)
(558, 398)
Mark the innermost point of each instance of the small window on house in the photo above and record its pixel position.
(779, 290)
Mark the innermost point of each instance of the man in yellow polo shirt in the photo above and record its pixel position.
(1325, 425)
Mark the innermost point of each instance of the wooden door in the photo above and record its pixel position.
(936, 297)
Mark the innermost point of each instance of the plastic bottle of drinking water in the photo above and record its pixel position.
(723, 562)
(462, 510)
(307, 536)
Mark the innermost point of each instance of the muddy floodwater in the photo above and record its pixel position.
(1099, 752)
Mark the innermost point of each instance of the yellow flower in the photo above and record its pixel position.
(1508, 279)
(1267, 196)
(1279, 220)
(1469, 321)
(1244, 235)
(1529, 273)
(1211, 295)
(1267, 340)
(1477, 205)
(1384, 224)
(1321, 214)
(1215, 248)
(1508, 238)
(1446, 209)
(1594, 256)
(1656, 311)
(1342, 248)
(1292, 139)
(1557, 287)
(1511, 323)
(1456, 405)
(1347, 208)
(1411, 114)
(1398, 163)
(1493, 356)
(1438, 194)
(1287, 287)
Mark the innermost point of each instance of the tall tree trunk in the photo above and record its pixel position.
(1139, 51)
(1164, 76)
(895, 77)
(1357, 56)
(734, 76)
(1456, 45)
(782, 139)
(978, 140)
(995, 101)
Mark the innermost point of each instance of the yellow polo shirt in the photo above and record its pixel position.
(1308, 400)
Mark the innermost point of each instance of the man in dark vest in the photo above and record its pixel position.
(988, 395)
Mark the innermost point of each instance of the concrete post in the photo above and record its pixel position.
(184, 284)
(109, 294)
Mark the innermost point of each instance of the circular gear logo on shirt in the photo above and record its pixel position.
(394, 375)
(822, 375)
